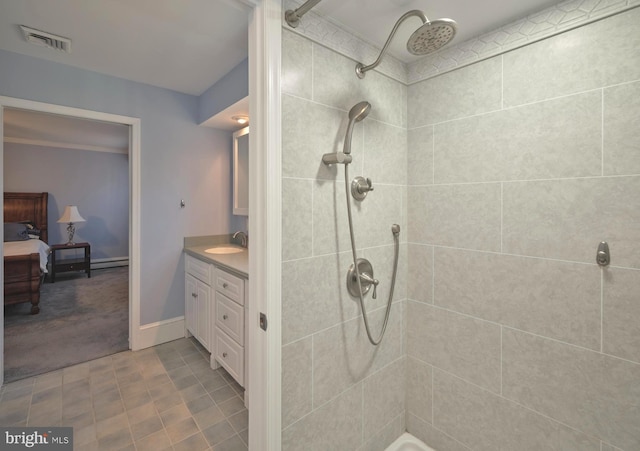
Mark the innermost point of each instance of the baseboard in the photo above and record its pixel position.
(161, 332)
(113, 262)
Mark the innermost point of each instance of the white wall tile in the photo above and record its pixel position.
(296, 380)
(559, 300)
(464, 92)
(343, 356)
(464, 346)
(419, 389)
(336, 84)
(466, 216)
(554, 139)
(485, 421)
(567, 219)
(309, 131)
(621, 131)
(297, 228)
(583, 389)
(600, 54)
(297, 59)
(420, 156)
(384, 394)
(621, 328)
(336, 425)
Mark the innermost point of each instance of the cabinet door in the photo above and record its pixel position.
(190, 301)
(203, 314)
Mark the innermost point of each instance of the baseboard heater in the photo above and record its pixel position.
(114, 262)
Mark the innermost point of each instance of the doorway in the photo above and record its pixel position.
(134, 200)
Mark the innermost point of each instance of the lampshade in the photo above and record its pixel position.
(71, 214)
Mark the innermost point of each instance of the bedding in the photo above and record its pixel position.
(29, 247)
(15, 231)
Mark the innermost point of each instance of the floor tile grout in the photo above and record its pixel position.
(112, 383)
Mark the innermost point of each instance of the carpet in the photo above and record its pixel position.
(80, 319)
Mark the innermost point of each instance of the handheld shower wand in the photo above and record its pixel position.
(356, 114)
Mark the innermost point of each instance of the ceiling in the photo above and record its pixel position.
(57, 131)
(182, 45)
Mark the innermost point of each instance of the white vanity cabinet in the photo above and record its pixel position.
(199, 305)
(230, 323)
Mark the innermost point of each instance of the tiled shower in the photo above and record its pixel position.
(504, 175)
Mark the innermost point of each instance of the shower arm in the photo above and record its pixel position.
(293, 16)
(361, 68)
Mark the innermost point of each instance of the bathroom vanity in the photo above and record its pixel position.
(216, 289)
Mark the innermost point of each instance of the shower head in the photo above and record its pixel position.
(426, 39)
(431, 36)
(358, 112)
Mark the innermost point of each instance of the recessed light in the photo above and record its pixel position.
(241, 119)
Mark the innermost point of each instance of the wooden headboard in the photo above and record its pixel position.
(28, 207)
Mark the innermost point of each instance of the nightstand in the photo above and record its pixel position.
(74, 264)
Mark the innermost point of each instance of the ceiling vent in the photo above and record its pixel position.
(44, 39)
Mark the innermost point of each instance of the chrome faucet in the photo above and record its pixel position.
(244, 239)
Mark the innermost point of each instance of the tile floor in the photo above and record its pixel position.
(161, 398)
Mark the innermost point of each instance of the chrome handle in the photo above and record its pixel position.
(225, 317)
(371, 281)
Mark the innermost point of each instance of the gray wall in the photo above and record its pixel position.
(97, 182)
(230, 89)
(519, 166)
(339, 391)
(179, 160)
(512, 171)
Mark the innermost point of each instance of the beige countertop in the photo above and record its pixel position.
(236, 263)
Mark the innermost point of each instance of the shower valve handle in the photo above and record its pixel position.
(371, 281)
(360, 187)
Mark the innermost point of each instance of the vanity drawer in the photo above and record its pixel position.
(230, 317)
(230, 355)
(198, 269)
(230, 285)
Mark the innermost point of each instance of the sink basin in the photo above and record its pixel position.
(224, 250)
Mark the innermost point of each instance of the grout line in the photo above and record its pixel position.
(433, 275)
(502, 81)
(433, 154)
(433, 394)
(602, 133)
(501, 358)
(501, 217)
(313, 49)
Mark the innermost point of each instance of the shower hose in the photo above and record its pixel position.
(396, 232)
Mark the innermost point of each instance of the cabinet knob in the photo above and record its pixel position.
(225, 285)
(225, 317)
(224, 355)
(194, 295)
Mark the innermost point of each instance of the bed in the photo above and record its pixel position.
(25, 261)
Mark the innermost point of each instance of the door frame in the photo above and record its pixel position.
(265, 225)
(134, 202)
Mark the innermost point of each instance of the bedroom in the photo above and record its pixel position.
(84, 163)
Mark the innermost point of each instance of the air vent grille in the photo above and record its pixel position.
(44, 39)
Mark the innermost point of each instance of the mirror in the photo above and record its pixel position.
(241, 172)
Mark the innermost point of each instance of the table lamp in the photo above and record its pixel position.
(71, 216)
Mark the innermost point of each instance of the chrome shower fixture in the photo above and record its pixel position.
(427, 39)
(357, 113)
(293, 16)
